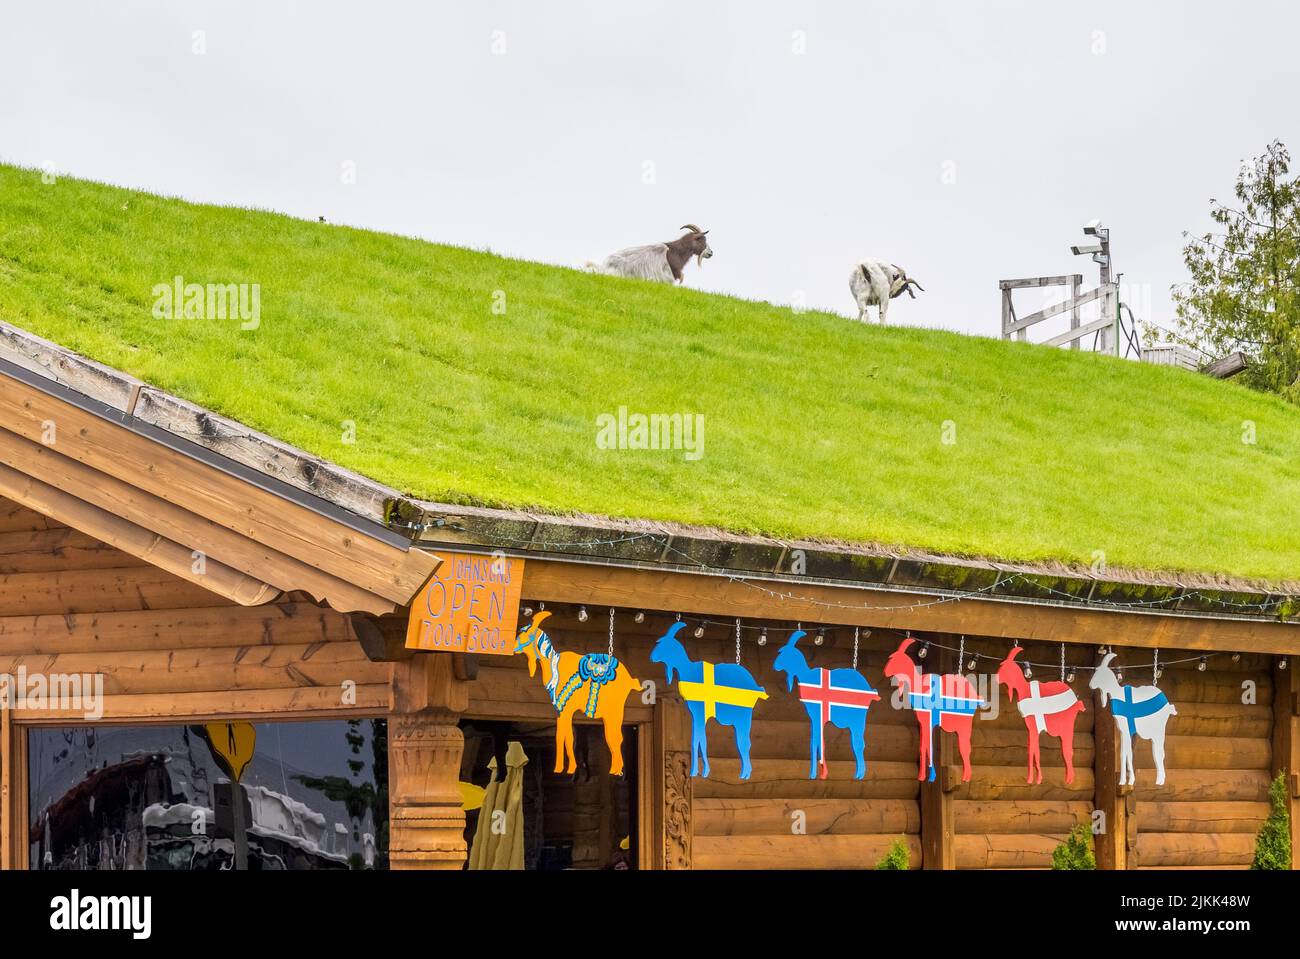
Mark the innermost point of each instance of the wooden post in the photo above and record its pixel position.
(938, 818)
(426, 827)
(1286, 744)
(1006, 313)
(1076, 285)
(672, 746)
(1117, 803)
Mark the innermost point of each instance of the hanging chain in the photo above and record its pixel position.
(737, 641)
(611, 632)
(961, 654)
(1155, 667)
(1063, 662)
(855, 647)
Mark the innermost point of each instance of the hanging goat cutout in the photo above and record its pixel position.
(837, 696)
(723, 691)
(1138, 711)
(595, 683)
(947, 702)
(1047, 708)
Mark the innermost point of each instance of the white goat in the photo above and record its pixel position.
(658, 261)
(875, 283)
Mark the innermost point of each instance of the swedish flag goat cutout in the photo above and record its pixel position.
(1138, 711)
(837, 696)
(595, 683)
(725, 692)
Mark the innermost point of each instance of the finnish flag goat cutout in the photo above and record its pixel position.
(1138, 711)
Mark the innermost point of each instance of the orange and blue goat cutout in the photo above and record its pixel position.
(837, 696)
(722, 691)
(595, 684)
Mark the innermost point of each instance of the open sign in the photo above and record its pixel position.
(470, 605)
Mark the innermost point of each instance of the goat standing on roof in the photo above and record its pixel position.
(875, 283)
(659, 261)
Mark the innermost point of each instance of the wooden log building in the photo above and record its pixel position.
(211, 574)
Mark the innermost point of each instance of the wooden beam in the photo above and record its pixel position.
(1105, 323)
(1226, 366)
(1057, 308)
(1286, 745)
(116, 501)
(1036, 281)
(394, 573)
(1115, 802)
(699, 593)
(938, 818)
(136, 540)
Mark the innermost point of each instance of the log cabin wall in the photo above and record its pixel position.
(167, 649)
(1218, 757)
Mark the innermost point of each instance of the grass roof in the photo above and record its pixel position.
(471, 378)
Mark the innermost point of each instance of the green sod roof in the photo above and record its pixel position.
(814, 426)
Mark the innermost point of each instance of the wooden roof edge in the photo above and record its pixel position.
(606, 540)
(225, 437)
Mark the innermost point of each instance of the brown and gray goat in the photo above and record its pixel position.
(659, 261)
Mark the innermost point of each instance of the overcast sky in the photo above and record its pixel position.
(965, 141)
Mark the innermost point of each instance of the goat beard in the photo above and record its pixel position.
(699, 260)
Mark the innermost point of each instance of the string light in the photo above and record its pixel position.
(1282, 664)
(699, 631)
(640, 616)
(1200, 666)
(820, 637)
(528, 612)
(582, 614)
(762, 637)
(1236, 657)
(925, 650)
(1029, 671)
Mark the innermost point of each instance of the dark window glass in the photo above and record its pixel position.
(314, 796)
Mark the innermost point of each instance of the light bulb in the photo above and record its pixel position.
(1282, 664)
(762, 637)
(1069, 677)
(699, 631)
(582, 614)
(1202, 664)
(820, 637)
(1029, 671)
(970, 667)
(925, 650)
(528, 612)
(640, 616)
(1236, 657)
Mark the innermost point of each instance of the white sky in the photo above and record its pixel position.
(1047, 115)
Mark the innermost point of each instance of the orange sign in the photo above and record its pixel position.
(470, 605)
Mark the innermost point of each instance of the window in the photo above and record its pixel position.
(313, 795)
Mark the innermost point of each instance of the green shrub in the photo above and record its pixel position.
(896, 858)
(1076, 851)
(1273, 844)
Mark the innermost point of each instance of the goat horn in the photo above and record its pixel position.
(917, 285)
(692, 227)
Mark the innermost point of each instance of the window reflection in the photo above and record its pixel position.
(314, 796)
